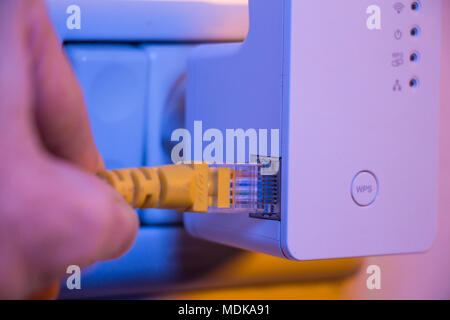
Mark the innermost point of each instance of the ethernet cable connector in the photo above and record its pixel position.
(203, 188)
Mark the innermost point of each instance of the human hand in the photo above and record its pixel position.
(53, 211)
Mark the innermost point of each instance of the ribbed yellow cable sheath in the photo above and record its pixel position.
(185, 187)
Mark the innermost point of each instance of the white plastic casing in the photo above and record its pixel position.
(338, 85)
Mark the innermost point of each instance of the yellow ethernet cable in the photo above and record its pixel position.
(200, 187)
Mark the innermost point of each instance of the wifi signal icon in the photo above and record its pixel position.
(398, 7)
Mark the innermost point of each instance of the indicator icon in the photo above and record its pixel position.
(398, 7)
(397, 59)
(397, 86)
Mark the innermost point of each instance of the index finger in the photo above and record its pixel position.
(60, 111)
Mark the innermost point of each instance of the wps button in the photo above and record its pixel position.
(365, 188)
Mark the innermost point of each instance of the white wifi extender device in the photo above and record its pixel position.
(353, 88)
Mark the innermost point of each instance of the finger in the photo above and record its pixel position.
(13, 75)
(61, 114)
(91, 209)
(78, 220)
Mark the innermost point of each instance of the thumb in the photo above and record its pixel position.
(77, 219)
